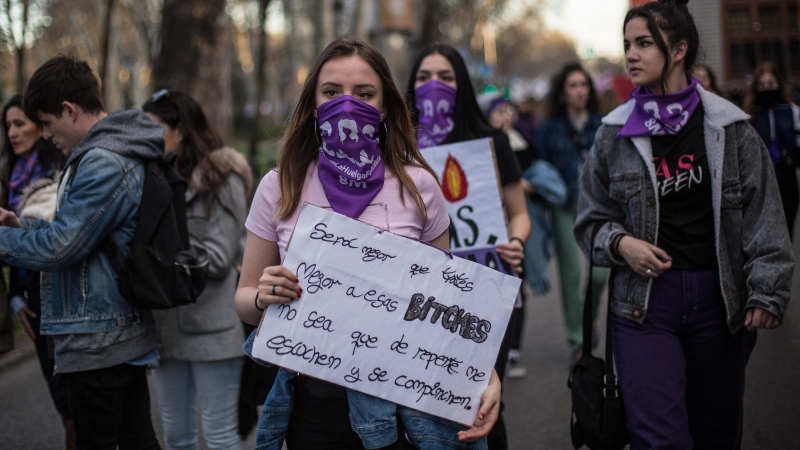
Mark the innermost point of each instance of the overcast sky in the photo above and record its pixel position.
(591, 23)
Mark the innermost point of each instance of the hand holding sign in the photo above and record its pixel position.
(277, 285)
(390, 317)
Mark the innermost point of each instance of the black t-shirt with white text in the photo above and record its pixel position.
(686, 216)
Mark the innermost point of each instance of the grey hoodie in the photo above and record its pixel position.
(130, 133)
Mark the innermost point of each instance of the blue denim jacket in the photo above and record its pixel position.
(81, 303)
(373, 419)
(556, 147)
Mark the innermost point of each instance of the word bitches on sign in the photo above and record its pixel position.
(388, 316)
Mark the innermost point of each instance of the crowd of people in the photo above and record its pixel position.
(684, 201)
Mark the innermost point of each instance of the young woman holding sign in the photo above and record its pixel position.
(440, 75)
(349, 82)
(679, 196)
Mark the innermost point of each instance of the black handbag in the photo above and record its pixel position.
(598, 417)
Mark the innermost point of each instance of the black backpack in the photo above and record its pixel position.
(162, 270)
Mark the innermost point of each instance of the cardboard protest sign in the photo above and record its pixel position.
(468, 173)
(388, 316)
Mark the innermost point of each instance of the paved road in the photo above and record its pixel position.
(537, 406)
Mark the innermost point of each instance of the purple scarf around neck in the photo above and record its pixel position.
(24, 172)
(351, 167)
(660, 115)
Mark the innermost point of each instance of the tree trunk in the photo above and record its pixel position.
(19, 47)
(430, 23)
(105, 45)
(260, 81)
(195, 57)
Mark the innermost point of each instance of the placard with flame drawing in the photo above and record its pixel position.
(469, 177)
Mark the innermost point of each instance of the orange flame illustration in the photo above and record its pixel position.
(454, 181)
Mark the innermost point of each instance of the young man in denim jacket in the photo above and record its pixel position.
(102, 342)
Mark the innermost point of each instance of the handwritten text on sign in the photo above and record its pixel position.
(469, 183)
(388, 316)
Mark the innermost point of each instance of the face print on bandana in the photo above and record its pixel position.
(350, 167)
(436, 104)
(674, 111)
(661, 115)
(348, 131)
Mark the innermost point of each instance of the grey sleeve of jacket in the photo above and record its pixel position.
(223, 231)
(765, 239)
(596, 210)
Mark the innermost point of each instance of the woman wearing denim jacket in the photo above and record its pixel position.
(564, 140)
(200, 344)
(678, 195)
(349, 94)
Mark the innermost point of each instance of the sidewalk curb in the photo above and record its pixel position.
(17, 355)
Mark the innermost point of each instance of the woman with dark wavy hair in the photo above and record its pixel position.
(28, 170)
(564, 140)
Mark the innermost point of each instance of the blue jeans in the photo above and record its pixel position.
(681, 372)
(215, 384)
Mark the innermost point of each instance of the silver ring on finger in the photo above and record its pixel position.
(273, 290)
(649, 273)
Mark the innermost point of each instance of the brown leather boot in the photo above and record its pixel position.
(69, 434)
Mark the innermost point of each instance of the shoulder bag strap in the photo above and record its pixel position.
(610, 378)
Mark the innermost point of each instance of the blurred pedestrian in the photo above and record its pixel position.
(777, 121)
(706, 77)
(440, 75)
(527, 123)
(679, 196)
(564, 140)
(502, 115)
(201, 343)
(101, 341)
(30, 166)
(350, 80)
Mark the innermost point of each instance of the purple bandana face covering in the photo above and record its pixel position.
(436, 103)
(350, 166)
(659, 115)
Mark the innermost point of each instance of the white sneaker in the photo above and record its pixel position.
(515, 370)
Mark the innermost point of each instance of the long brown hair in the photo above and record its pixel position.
(752, 89)
(300, 146)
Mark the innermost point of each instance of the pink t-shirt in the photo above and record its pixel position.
(386, 210)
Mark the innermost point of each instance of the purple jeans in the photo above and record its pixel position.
(681, 372)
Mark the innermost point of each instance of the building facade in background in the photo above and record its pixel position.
(736, 35)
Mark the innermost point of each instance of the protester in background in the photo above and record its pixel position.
(29, 169)
(200, 343)
(501, 115)
(705, 76)
(777, 121)
(101, 341)
(349, 80)
(679, 196)
(440, 74)
(564, 140)
(526, 122)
